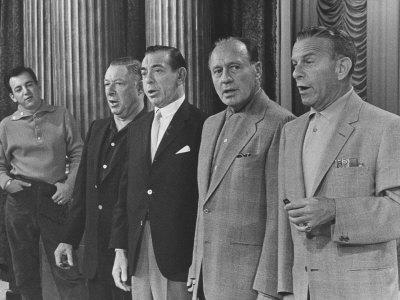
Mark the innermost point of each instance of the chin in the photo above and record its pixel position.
(229, 101)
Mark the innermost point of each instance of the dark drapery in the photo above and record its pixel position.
(350, 15)
(254, 19)
(11, 55)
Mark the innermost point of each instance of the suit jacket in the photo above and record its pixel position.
(93, 201)
(355, 257)
(163, 192)
(236, 232)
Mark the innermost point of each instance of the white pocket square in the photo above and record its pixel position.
(184, 150)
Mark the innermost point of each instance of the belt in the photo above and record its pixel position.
(45, 188)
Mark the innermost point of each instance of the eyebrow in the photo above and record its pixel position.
(29, 81)
(153, 66)
(306, 55)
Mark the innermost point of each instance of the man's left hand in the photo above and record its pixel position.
(311, 212)
(63, 194)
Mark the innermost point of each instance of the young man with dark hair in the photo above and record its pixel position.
(34, 143)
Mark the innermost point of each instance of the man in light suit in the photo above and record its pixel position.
(236, 231)
(155, 216)
(339, 174)
(96, 189)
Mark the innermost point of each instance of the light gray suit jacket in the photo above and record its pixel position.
(355, 257)
(236, 232)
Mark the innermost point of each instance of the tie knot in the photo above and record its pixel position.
(158, 115)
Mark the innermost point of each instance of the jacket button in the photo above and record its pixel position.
(206, 211)
(100, 207)
(95, 186)
(149, 192)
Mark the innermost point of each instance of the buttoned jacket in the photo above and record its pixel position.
(355, 256)
(93, 200)
(236, 231)
(163, 192)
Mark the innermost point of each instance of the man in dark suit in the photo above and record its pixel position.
(155, 216)
(98, 179)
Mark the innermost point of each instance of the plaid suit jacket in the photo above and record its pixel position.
(355, 257)
(236, 233)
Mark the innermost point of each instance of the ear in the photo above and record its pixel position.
(139, 87)
(13, 98)
(182, 75)
(343, 66)
(258, 69)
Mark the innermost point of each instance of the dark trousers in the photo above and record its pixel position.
(104, 290)
(31, 214)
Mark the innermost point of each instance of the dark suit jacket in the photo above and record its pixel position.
(164, 191)
(93, 201)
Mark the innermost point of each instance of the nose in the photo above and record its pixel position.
(148, 78)
(110, 89)
(297, 72)
(25, 90)
(225, 76)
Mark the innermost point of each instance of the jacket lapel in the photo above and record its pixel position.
(296, 147)
(343, 132)
(174, 128)
(246, 129)
(97, 145)
(207, 148)
(120, 149)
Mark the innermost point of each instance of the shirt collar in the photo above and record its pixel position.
(21, 113)
(333, 111)
(171, 108)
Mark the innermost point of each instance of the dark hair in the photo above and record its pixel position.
(133, 66)
(18, 71)
(176, 59)
(342, 43)
(251, 46)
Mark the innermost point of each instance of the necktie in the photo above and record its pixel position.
(155, 128)
(311, 153)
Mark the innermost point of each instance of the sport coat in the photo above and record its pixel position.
(355, 257)
(236, 232)
(163, 192)
(94, 199)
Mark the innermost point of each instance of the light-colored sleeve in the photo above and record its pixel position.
(374, 219)
(285, 243)
(4, 161)
(265, 281)
(74, 147)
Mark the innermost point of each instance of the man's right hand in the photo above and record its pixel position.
(63, 256)
(190, 284)
(16, 186)
(120, 270)
(288, 297)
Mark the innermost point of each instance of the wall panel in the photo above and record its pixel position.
(69, 43)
